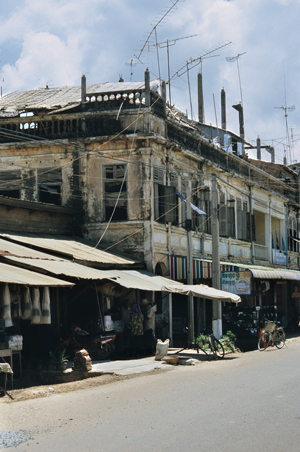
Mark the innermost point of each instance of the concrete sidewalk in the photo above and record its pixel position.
(147, 364)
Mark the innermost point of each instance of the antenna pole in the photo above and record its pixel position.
(188, 78)
(157, 53)
(238, 68)
(169, 80)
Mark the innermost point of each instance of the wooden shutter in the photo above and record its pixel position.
(170, 204)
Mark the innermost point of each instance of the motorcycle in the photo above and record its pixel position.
(98, 348)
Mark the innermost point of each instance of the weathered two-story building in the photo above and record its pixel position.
(132, 172)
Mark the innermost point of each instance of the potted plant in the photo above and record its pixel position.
(50, 364)
(61, 360)
(202, 339)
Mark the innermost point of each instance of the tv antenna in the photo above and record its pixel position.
(154, 29)
(193, 62)
(286, 110)
(231, 60)
(167, 44)
(131, 63)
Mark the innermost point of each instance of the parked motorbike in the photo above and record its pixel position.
(97, 347)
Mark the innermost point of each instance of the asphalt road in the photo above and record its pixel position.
(241, 403)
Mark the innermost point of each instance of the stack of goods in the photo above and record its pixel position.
(82, 361)
(15, 343)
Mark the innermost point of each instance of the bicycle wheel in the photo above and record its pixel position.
(263, 341)
(97, 352)
(279, 337)
(219, 349)
(212, 347)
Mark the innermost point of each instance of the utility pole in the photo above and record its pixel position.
(217, 308)
(188, 227)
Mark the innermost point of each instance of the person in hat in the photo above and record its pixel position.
(149, 325)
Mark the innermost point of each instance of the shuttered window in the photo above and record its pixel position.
(165, 204)
(114, 188)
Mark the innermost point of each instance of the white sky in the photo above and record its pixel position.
(55, 41)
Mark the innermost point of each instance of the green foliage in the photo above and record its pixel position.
(202, 338)
(61, 356)
(228, 340)
(52, 357)
(231, 336)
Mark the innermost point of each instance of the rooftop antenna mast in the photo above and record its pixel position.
(194, 62)
(131, 63)
(286, 109)
(154, 29)
(231, 60)
(166, 44)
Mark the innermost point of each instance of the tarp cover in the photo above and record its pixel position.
(203, 291)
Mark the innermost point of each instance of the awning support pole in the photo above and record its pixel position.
(170, 319)
(101, 319)
(217, 308)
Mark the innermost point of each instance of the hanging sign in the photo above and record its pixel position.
(238, 283)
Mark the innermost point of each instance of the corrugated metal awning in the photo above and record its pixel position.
(61, 268)
(15, 275)
(70, 247)
(273, 273)
(131, 279)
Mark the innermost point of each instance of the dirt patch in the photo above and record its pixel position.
(34, 392)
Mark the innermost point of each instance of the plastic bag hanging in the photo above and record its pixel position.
(36, 308)
(46, 314)
(27, 313)
(6, 307)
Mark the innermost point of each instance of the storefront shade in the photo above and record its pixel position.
(203, 291)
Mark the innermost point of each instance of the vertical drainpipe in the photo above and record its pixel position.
(83, 101)
(147, 100)
(286, 231)
(251, 226)
(164, 97)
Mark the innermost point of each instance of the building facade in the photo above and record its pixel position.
(140, 172)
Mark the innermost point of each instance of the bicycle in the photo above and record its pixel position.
(271, 335)
(215, 346)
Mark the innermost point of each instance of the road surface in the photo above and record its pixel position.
(244, 402)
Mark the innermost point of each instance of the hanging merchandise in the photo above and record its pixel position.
(36, 308)
(15, 299)
(6, 307)
(46, 314)
(27, 313)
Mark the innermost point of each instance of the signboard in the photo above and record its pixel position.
(279, 258)
(238, 283)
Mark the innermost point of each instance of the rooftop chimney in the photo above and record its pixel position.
(239, 108)
(223, 108)
(258, 148)
(83, 89)
(200, 100)
(147, 88)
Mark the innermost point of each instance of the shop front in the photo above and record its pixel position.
(27, 315)
(268, 292)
